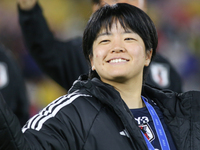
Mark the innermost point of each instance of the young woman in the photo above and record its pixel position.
(111, 109)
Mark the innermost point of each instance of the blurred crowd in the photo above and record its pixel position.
(178, 25)
(177, 22)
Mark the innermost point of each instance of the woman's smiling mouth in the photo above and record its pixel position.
(117, 60)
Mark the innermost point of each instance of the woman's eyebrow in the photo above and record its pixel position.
(104, 33)
(109, 33)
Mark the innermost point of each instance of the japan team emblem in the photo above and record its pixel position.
(3, 75)
(147, 131)
(160, 74)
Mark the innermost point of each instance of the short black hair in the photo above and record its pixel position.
(130, 17)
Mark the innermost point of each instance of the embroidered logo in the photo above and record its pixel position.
(124, 133)
(146, 129)
(160, 74)
(3, 75)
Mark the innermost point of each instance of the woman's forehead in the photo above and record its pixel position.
(114, 25)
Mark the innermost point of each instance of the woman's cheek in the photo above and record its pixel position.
(138, 51)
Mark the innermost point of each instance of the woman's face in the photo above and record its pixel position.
(119, 55)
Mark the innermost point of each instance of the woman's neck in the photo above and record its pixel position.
(130, 93)
(131, 96)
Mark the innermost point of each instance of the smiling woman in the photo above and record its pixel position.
(111, 110)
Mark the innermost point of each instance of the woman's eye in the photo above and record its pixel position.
(104, 41)
(128, 39)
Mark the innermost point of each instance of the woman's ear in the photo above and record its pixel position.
(148, 57)
(91, 63)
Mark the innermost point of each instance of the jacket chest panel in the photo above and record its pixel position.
(107, 132)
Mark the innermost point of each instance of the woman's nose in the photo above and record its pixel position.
(118, 50)
(117, 45)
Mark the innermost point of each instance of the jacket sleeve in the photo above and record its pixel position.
(13, 88)
(50, 136)
(62, 61)
(11, 136)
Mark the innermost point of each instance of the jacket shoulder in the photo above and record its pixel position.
(73, 110)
